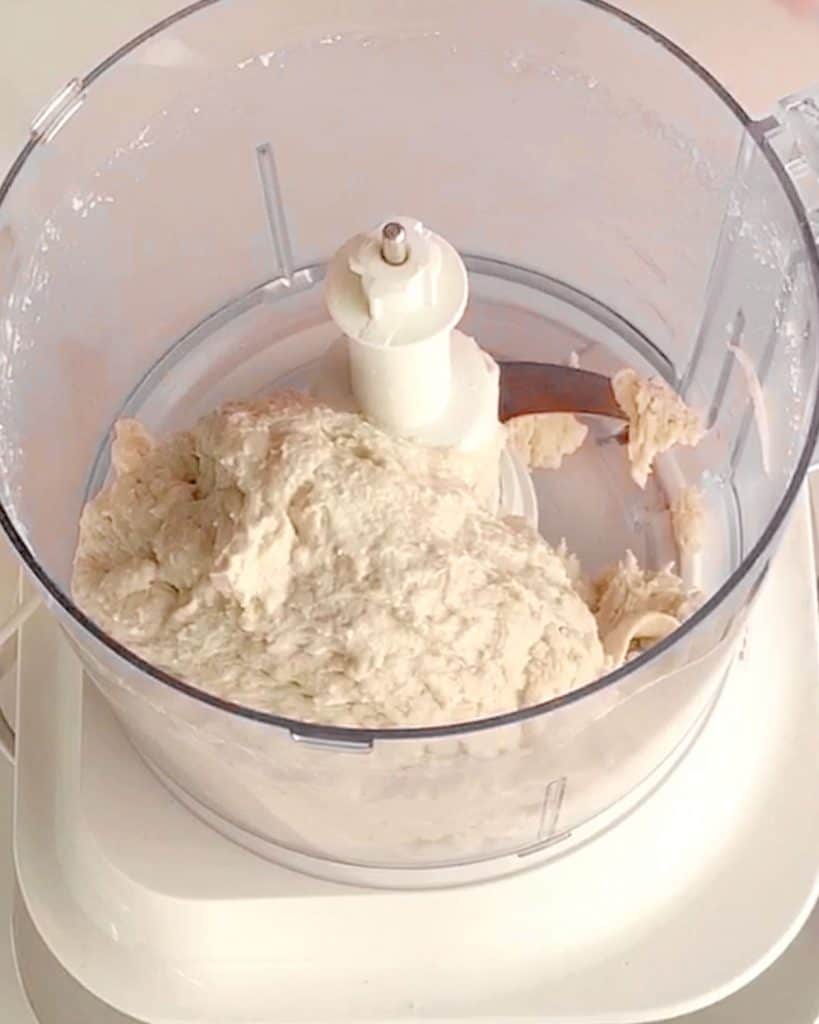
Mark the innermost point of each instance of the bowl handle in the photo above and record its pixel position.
(792, 131)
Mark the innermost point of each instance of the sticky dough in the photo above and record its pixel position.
(298, 560)
(658, 419)
(544, 439)
(301, 561)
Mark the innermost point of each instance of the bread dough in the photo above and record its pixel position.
(543, 439)
(688, 519)
(658, 418)
(635, 607)
(299, 560)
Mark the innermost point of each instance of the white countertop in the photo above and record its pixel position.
(757, 48)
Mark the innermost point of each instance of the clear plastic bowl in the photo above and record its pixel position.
(610, 198)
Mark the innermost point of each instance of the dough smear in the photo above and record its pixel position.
(688, 519)
(544, 439)
(658, 419)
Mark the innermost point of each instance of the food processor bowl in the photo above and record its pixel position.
(163, 238)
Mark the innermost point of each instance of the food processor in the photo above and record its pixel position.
(612, 204)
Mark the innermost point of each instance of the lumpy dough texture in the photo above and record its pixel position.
(688, 519)
(658, 418)
(635, 607)
(298, 560)
(543, 439)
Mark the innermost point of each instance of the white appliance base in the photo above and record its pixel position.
(441, 877)
(685, 901)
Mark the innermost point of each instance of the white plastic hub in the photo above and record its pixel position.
(401, 364)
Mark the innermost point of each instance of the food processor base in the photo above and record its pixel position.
(457, 874)
(160, 918)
